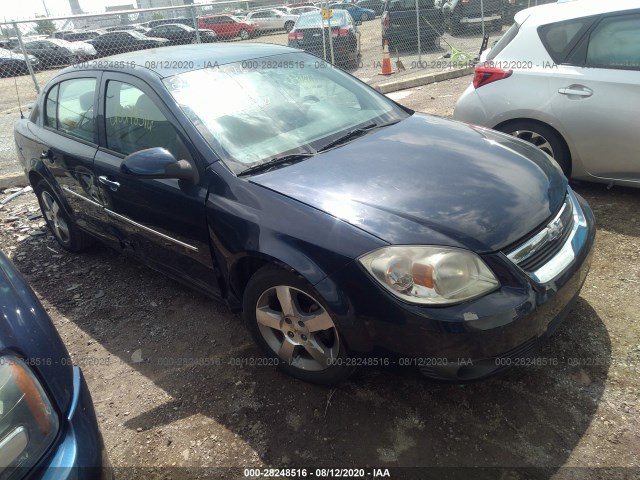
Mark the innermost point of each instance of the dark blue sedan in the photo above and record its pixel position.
(346, 228)
(48, 426)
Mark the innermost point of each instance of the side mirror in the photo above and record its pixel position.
(157, 163)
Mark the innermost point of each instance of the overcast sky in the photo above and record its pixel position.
(24, 9)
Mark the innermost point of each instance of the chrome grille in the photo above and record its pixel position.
(545, 244)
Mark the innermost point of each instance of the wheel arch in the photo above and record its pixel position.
(36, 175)
(560, 135)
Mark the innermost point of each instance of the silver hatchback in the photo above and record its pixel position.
(566, 77)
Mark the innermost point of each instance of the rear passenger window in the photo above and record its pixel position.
(51, 108)
(75, 108)
(559, 38)
(615, 43)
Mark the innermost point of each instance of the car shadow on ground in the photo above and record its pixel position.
(532, 416)
(609, 204)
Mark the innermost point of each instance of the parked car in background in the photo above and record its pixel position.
(358, 13)
(511, 7)
(48, 426)
(188, 21)
(55, 52)
(566, 78)
(376, 5)
(122, 28)
(228, 26)
(307, 35)
(179, 34)
(339, 223)
(460, 15)
(271, 19)
(305, 9)
(14, 64)
(82, 35)
(400, 28)
(111, 43)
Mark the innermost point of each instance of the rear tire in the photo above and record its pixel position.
(364, 17)
(293, 326)
(61, 225)
(543, 137)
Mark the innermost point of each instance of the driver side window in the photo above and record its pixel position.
(134, 122)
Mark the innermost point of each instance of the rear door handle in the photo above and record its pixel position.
(113, 186)
(46, 155)
(576, 90)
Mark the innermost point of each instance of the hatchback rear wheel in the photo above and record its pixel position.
(542, 137)
(291, 324)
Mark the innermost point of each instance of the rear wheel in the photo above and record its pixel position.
(65, 231)
(542, 137)
(294, 327)
(364, 17)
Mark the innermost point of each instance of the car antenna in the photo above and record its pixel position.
(15, 81)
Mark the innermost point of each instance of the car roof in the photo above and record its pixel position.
(168, 61)
(557, 12)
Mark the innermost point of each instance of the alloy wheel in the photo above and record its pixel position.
(297, 328)
(535, 139)
(55, 217)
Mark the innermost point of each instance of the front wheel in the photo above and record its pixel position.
(288, 26)
(542, 137)
(364, 17)
(244, 34)
(294, 327)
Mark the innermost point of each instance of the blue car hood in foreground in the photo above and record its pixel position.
(427, 180)
(26, 331)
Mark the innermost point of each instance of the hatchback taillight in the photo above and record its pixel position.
(296, 35)
(484, 75)
(340, 32)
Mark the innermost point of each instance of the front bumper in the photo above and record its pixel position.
(79, 451)
(506, 323)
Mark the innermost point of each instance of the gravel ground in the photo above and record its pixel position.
(168, 372)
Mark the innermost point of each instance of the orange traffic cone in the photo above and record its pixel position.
(386, 60)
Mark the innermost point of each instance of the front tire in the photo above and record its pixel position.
(542, 137)
(292, 325)
(61, 225)
(244, 34)
(288, 26)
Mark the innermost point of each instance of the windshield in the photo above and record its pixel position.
(253, 111)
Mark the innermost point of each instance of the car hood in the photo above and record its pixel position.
(27, 330)
(427, 180)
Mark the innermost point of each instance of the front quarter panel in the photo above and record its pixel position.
(249, 220)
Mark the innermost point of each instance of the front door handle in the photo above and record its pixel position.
(576, 90)
(113, 186)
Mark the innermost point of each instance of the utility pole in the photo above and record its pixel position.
(46, 10)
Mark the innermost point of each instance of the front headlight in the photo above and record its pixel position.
(430, 275)
(28, 423)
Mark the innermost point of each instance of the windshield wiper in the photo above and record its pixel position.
(276, 162)
(356, 132)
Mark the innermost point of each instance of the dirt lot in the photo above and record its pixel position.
(161, 363)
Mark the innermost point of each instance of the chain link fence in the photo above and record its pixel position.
(421, 36)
